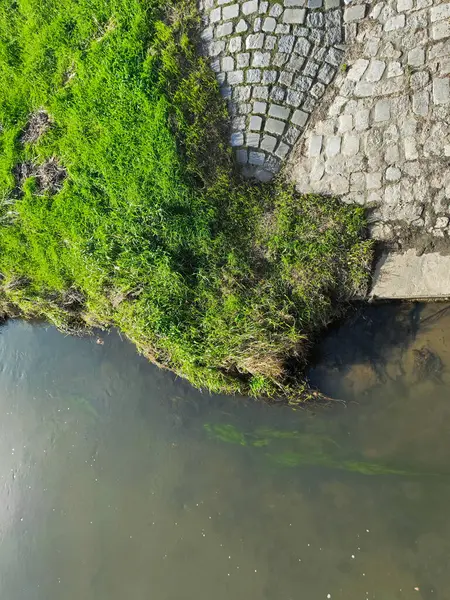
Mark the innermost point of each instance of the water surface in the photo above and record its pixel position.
(119, 481)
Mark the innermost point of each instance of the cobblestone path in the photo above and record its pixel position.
(273, 61)
(370, 120)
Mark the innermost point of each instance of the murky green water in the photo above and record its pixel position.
(119, 482)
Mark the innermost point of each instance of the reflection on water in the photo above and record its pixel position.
(118, 481)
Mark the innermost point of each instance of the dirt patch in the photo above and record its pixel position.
(38, 123)
(50, 176)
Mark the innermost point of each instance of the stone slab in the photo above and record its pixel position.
(406, 276)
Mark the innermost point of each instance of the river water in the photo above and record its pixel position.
(118, 481)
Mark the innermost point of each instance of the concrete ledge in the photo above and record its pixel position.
(407, 276)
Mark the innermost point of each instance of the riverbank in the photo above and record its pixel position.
(122, 206)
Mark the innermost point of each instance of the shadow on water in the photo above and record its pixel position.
(371, 343)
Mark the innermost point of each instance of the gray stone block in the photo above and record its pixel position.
(302, 47)
(317, 90)
(241, 27)
(276, 10)
(282, 150)
(261, 92)
(315, 145)
(242, 156)
(227, 63)
(286, 78)
(326, 73)
(243, 60)
(280, 59)
(268, 143)
(282, 28)
(275, 126)
(300, 118)
(277, 94)
(294, 16)
(294, 3)
(235, 77)
(230, 12)
(286, 43)
(253, 75)
(382, 110)
(294, 98)
(303, 84)
(256, 158)
(269, 24)
(441, 90)
(354, 13)
(310, 69)
(237, 139)
(255, 123)
(292, 135)
(242, 93)
(257, 25)
(279, 112)
(215, 15)
(295, 63)
(270, 77)
(393, 23)
(270, 42)
(224, 29)
(261, 59)
(375, 70)
(254, 41)
(253, 140)
(416, 57)
(215, 48)
(235, 44)
(260, 107)
(250, 7)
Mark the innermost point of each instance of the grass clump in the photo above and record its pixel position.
(120, 204)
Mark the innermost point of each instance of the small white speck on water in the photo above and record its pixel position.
(131, 537)
(228, 574)
(328, 596)
(90, 522)
(368, 530)
(353, 556)
(309, 545)
(229, 557)
(256, 570)
(364, 574)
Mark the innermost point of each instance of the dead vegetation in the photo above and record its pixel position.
(38, 123)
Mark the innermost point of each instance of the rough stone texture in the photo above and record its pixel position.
(384, 123)
(271, 58)
(400, 276)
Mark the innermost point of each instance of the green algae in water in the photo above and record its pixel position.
(310, 450)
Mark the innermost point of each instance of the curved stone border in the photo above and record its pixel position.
(273, 62)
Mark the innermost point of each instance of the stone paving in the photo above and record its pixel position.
(273, 61)
(381, 137)
(370, 120)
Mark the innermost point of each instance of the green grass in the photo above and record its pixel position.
(224, 282)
